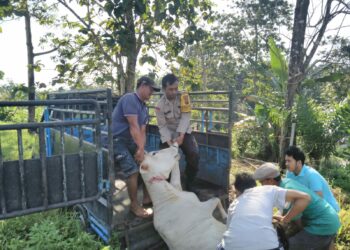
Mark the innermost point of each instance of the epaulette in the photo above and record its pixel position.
(185, 102)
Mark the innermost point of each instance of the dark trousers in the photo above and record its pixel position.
(190, 149)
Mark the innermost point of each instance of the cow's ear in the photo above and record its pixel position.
(144, 168)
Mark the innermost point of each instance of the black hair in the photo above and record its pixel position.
(296, 153)
(169, 79)
(244, 181)
(144, 80)
(278, 178)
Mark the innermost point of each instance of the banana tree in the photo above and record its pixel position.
(269, 108)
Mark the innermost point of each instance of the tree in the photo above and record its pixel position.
(41, 12)
(302, 53)
(246, 31)
(119, 30)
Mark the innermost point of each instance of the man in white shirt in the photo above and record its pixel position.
(249, 222)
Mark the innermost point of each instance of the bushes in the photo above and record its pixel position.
(255, 142)
(317, 132)
(337, 171)
(51, 230)
(343, 237)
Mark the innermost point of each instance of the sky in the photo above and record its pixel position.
(13, 55)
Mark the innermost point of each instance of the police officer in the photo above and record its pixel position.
(173, 116)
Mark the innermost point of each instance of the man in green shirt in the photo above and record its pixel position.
(320, 221)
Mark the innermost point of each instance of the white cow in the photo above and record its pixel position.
(180, 218)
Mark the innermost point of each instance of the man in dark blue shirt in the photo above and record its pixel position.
(129, 119)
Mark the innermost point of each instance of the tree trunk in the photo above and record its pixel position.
(132, 52)
(130, 71)
(30, 66)
(296, 69)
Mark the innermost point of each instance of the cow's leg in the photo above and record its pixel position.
(175, 180)
(211, 204)
(222, 210)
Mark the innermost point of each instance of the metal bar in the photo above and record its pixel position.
(111, 175)
(230, 119)
(72, 117)
(21, 168)
(48, 124)
(48, 134)
(47, 102)
(43, 160)
(79, 92)
(81, 158)
(192, 120)
(202, 122)
(2, 188)
(99, 149)
(64, 172)
(214, 122)
(203, 108)
(210, 120)
(57, 205)
(73, 111)
(92, 129)
(201, 93)
(292, 134)
(210, 101)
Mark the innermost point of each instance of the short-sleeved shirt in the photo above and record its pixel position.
(249, 221)
(128, 105)
(319, 217)
(312, 179)
(171, 120)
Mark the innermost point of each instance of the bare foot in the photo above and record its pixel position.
(146, 202)
(141, 212)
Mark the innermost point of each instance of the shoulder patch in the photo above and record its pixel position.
(185, 103)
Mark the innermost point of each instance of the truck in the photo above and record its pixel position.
(75, 164)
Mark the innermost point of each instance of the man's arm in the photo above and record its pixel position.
(315, 184)
(165, 134)
(183, 126)
(138, 136)
(300, 201)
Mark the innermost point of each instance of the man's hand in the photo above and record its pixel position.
(180, 139)
(170, 142)
(139, 155)
(281, 219)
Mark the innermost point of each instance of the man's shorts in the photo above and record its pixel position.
(124, 150)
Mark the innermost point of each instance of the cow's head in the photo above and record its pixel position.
(160, 163)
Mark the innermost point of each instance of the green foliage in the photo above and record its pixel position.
(255, 142)
(131, 30)
(246, 30)
(316, 129)
(9, 145)
(343, 236)
(343, 121)
(50, 230)
(337, 171)
(278, 65)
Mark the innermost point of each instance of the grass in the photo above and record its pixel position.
(56, 229)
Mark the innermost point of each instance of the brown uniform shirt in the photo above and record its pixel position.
(170, 120)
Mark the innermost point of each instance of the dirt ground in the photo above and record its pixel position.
(243, 165)
(240, 165)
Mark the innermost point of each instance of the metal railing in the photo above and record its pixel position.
(40, 128)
